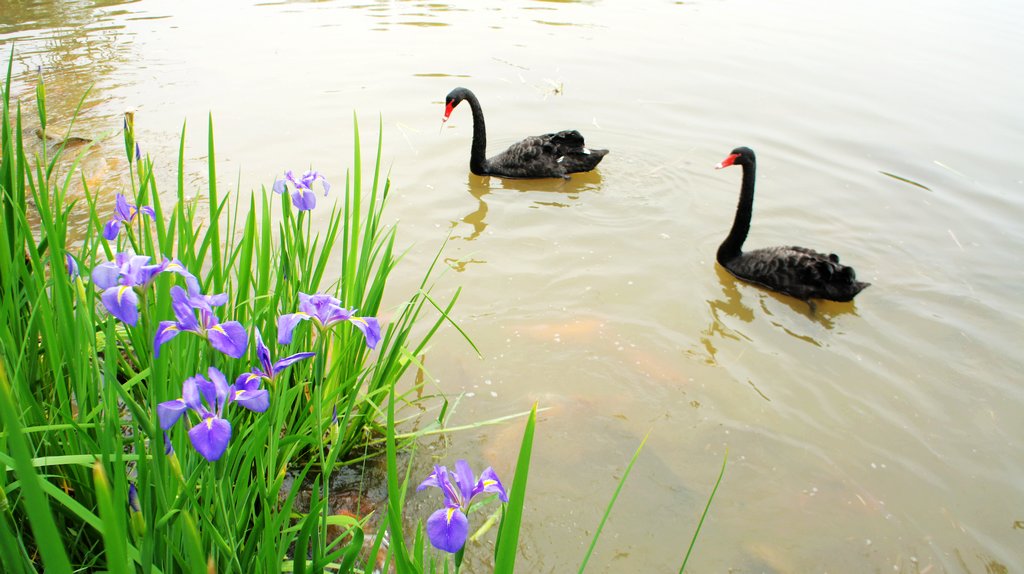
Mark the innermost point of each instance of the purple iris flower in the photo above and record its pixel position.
(133, 499)
(124, 212)
(120, 278)
(71, 265)
(268, 369)
(303, 197)
(207, 399)
(229, 337)
(326, 311)
(448, 527)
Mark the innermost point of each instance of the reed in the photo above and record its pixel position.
(154, 410)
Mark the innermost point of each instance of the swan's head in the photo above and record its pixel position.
(452, 99)
(738, 156)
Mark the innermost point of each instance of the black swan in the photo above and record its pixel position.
(549, 155)
(796, 271)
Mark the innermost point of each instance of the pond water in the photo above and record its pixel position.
(885, 435)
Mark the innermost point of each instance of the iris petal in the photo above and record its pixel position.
(165, 331)
(123, 303)
(489, 482)
(229, 338)
(286, 324)
(282, 364)
(303, 200)
(111, 230)
(430, 481)
(105, 275)
(169, 412)
(210, 437)
(447, 529)
(370, 328)
(263, 354)
(464, 479)
(256, 401)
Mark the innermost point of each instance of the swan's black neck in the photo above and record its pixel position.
(477, 160)
(733, 245)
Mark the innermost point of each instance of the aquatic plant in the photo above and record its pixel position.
(303, 197)
(210, 436)
(269, 369)
(228, 337)
(90, 395)
(124, 214)
(325, 312)
(448, 527)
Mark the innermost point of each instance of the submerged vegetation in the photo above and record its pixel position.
(125, 447)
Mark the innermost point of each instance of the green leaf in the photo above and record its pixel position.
(114, 532)
(508, 535)
(611, 503)
(693, 540)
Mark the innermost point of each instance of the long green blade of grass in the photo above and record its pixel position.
(36, 504)
(507, 547)
(611, 503)
(114, 534)
(398, 547)
(693, 540)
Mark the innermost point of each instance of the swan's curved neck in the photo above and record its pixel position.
(477, 161)
(733, 244)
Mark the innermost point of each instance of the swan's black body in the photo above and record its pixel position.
(797, 271)
(549, 155)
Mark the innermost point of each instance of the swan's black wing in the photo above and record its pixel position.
(565, 141)
(572, 152)
(550, 155)
(798, 271)
(531, 157)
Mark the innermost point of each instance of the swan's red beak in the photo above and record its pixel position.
(728, 161)
(448, 111)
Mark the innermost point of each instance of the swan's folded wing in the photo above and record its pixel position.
(567, 141)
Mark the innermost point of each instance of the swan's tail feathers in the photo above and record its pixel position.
(843, 285)
(583, 160)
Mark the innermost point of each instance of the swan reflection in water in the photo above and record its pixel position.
(731, 306)
(481, 186)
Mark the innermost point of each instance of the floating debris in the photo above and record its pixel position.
(955, 240)
(942, 165)
(905, 180)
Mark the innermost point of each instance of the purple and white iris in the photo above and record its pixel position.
(448, 527)
(229, 337)
(326, 311)
(303, 197)
(207, 399)
(119, 279)
(71, 265)
(268, 369)
(124, 213)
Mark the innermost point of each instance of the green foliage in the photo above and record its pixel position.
(79, 389)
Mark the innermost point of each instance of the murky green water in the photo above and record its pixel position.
(879, 436)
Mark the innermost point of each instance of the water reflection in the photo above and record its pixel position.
(481, 186)
(73, 48)
(478, 187)
(823, 313)
(731, 306)
(572, 187)
(82, 43)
